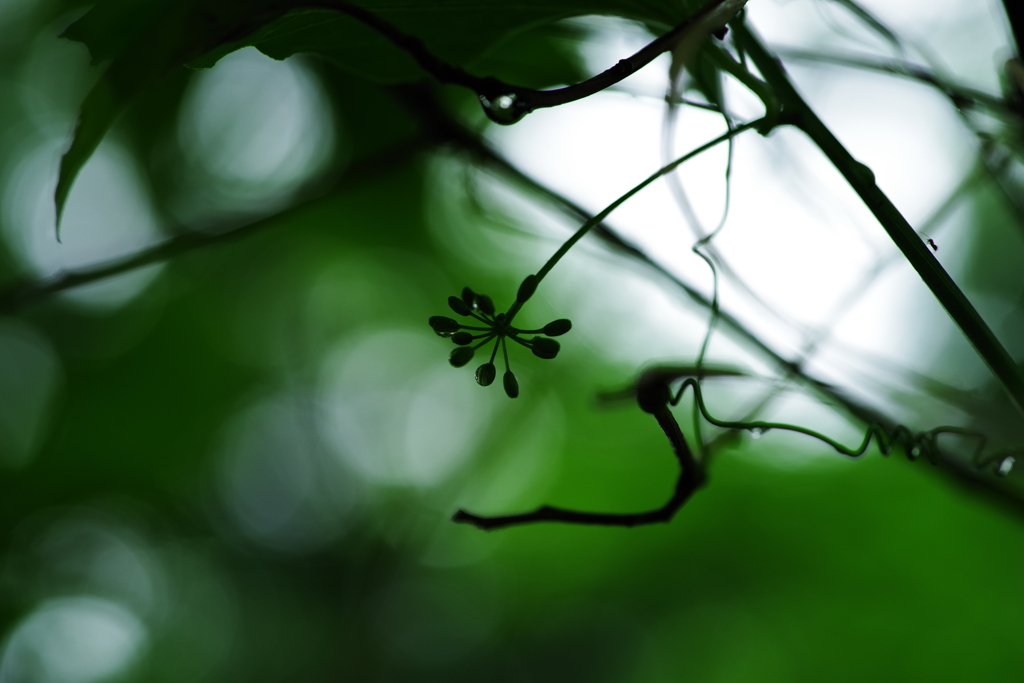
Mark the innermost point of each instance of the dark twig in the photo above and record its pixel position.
(505, 103)
(653, 395)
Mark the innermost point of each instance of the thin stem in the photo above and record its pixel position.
(707, 240)
(695, 104)
(703, 240)
(598, 218)
(523, 342)
(485, 340)
(479, 317)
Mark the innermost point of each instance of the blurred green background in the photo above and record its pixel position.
(240, 463)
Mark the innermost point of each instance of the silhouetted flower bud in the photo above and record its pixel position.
(527, 289)
(544, 348)
(458, 305)
(468, 296)
(485, 374)
(461, 356)
(444, 327)
(484, 303)
(511, 384)
(462, 338)
(556, 328)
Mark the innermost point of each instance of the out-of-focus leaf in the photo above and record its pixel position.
(142, 41)
(111, 27)
(145, 39)
(101, 107)
(541, 58)
(451, 31)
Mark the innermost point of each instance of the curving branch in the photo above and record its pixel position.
(653, 396)
(505, 103)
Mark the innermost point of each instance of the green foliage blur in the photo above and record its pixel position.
(240, 463)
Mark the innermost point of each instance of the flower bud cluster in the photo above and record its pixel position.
(496, 327)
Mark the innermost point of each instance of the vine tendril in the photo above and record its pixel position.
(914, 444)
(654, 396)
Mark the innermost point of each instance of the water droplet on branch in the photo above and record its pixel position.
(485, 374)
(504, 109)
(1006, 465)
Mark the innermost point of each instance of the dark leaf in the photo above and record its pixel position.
(143, 41)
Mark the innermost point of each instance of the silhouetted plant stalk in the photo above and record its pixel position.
(506, 104)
